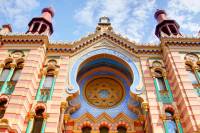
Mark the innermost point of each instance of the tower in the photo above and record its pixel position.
(165, 26)
(6, 28)
(42, 24)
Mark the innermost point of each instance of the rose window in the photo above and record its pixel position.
(104, 92)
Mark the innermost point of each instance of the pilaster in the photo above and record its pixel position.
(25, 90)
(182, 89)
(59, 96)
(154, 112)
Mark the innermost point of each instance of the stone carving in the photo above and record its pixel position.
(17, 54)
(191, 57)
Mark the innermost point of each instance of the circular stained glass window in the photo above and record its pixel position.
(104, 92)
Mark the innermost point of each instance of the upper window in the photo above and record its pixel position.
(3, 103)
(48, 81)
(160, 80)
(104, 130)
(4, 74)
(121, 129)
(86, 130)
(191, 75)
(171, 124)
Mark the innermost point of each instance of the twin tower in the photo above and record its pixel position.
(43, 24)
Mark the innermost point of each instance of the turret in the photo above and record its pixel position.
(165, 26)
(104, 24)
(42, 24)
(6, 29)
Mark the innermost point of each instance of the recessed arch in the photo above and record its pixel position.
(76, 65)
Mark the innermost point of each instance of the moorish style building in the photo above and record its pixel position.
(102, 83)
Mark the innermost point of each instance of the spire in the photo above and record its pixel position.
(104, 24)
(42, 24)
(165, 26)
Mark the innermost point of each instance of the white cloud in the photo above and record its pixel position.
(186, 13)
(128, 17)
(17, 11)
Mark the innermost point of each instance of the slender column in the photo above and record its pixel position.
(168, 89)
(44, 124)
(163, 117)
(39, 27)
(37, 97)
(5, 85)
(178, 123)
(30, 123)
(145, 108)
(63, 107)
(52, 88)
(157, 89)
(165, 125)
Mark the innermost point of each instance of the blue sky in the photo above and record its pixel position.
(76, 18)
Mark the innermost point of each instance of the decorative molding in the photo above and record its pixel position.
(74, 70)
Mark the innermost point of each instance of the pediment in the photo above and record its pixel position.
(103, 39)
(104, 44)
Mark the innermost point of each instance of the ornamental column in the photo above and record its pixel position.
(37, 97)
(30, 122)
(44, 123)
(63, 107)
(53, 85)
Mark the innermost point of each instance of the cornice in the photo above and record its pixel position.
(24, 39)
(111, 36)
(180, 41)
(74, 47)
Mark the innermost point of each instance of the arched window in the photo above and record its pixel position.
(5, 72)
(104, 130)
(48, 79)
(121, 129)
(191, 74)
(3, 103)
(160, 80)
(170, 122)
(38, 120)
(86, 129)
(17, 72)
(35, 27)
(43, 28)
